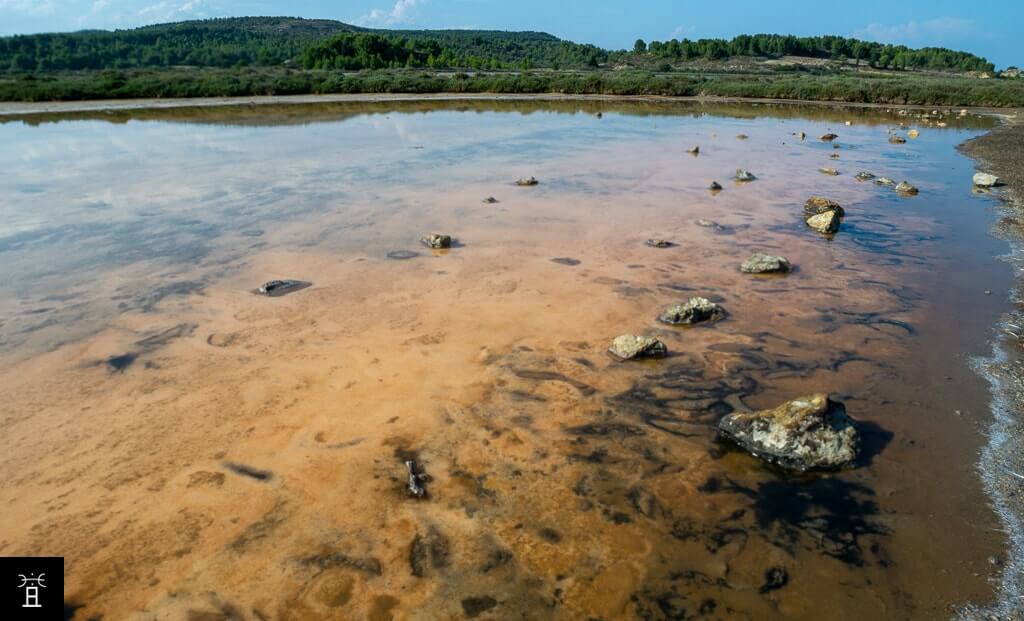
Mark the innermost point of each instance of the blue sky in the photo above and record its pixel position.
(986, 27)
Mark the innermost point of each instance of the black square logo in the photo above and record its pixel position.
(32, 588)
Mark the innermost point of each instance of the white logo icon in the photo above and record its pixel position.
(31, 586)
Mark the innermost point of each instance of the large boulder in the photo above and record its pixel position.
(695, 310)
(986, 180)
(820, 204)
(630, 346)
(809, 433)
(766, 264)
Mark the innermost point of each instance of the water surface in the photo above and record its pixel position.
(192, 448)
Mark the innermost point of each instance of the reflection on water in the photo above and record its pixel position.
(195, 449)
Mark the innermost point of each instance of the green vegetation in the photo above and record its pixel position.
(878, 55)
(857, 88)
(282, 55)
(446, 49)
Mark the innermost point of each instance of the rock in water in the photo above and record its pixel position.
(809, 433)
(437, 241)
(765, 264)
(715, 186)
(864, 176)
(986, 180)
(906, 189)
(802, 135)
(913, 133)
(630, 346)
(659, 243)
(695, 310)
(490, 200)
(826, 222)
(694, 150)
(832, 172)
(829, 137)
(743, 175)
(277, 288)
(527, 181)
(884, 181)
(742, 136)
(894, 139)
(820, 204)
(415, 481)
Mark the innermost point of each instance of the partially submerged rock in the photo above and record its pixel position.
(715, 186)
(630, 346)
(809, 433)
(819, 204)
(913, 133)
(832, 172)
(694, 150)
(906, 189)
(894, 139)
(695, 310)
(864, 176)
(829, 137)
(416, 480)
(436, 241)
(834, 156)
(986, 180)
(744, 175)
(277, 288)
(659, 243)
(826, 222)
(490, 200)
(802, 135)
(884, 181)
(708, 224)
(527, 181)
(742, 136)
(766, 264)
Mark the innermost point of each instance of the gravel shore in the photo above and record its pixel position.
(1001, 152)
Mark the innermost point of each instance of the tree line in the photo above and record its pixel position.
(882, 55)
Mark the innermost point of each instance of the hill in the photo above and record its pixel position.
(264, 41)
(277, 41)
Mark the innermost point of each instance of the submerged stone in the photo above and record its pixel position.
(277, 288)
(864, 176)
(832, 172)
(527, 181)
(490, 200)
(829, 137)
(819, 204)
(743, 175)
(826, 222)
(630, 346)
(894, 139)
(742, 136)
(906, 189)
(436, 242)
(986, 180)
(695, 310)
(402, 255)
(766, 264)
(659, 243)
(884, 181)
(809, 433)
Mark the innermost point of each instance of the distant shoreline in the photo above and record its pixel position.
(99, 105)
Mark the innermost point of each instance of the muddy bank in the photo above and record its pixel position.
(1001, 152)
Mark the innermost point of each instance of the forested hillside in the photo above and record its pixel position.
(881, 55)
(327, 44)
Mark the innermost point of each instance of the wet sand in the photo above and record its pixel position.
(1002, 151)
(197, 451)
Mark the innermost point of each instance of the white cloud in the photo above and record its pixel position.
(683, 32)
(34, 8)
(929, 32)
(165, 11)
(401, 13)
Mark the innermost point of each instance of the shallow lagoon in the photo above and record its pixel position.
(139, 369)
